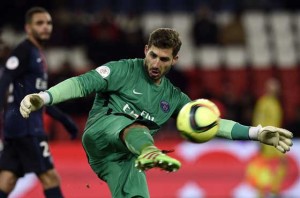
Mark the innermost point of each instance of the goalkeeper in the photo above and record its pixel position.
(133, 100)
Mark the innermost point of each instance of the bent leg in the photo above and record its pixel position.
(114, 164)
(139, 141)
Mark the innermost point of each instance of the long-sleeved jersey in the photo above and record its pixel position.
(123, 87)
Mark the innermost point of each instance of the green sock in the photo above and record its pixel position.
(137, 139)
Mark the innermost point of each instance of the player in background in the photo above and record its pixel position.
(133, 100)
(26, 148)
(268, 111)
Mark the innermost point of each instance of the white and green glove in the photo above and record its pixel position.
(33, 102)
(280, 138)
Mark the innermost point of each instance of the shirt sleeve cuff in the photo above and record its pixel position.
(45, 97)
(253, 132)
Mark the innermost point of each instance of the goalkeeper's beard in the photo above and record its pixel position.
(152, 70)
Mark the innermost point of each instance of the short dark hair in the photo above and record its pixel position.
(32, 11)
(165, 38)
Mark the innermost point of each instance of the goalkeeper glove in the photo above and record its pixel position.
(280, 138)
(31, 102)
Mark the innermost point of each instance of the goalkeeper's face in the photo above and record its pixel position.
(40, 27)
(158, 62)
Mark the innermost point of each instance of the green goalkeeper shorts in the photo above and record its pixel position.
(111, 160)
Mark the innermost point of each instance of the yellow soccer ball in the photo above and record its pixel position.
(198, 120)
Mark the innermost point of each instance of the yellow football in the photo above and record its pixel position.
(198, 120)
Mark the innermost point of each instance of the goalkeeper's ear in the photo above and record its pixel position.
(175, 59)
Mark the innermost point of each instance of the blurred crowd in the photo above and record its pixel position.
(112, 30)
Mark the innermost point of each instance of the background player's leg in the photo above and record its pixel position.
(51, 184)
(7, 182)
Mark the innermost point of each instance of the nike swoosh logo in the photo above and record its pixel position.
(137, 93)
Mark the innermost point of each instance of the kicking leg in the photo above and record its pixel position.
(139, 141)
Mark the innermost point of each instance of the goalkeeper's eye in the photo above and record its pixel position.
(153, 55)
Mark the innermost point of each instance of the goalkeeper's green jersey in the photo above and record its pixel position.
(124, 87)
(125, 94)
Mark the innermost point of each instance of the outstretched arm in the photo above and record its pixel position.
(71, 88)
(63, 91)
(280, 138)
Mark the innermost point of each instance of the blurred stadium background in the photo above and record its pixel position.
(230, 48)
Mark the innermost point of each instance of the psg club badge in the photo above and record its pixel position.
(165, 106)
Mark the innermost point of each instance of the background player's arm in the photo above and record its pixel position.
(63, 118)
(4, 84)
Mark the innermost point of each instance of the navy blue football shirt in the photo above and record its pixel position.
(25, 73)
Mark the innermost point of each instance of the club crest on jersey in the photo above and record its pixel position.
(165, 106)
(12, 63)
(103, 70)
